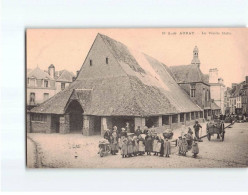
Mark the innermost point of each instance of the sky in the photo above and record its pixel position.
(223, 48)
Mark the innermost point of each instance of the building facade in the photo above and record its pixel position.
(117, 86)
(42, 85)
(217, 89)
(194, 83)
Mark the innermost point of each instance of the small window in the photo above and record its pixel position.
(91, 63)
(32, 98)
(62, 86)
(46, 83)
(107, 60)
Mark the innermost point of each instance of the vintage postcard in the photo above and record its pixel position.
(137, 98)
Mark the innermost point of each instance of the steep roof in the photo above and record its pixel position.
(147, 88)
(38, 74)
(65, 76)
(188, 74)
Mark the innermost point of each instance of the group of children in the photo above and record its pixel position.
(131, 146)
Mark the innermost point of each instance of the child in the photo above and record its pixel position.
(113, 143)
(195, 148)
(155, 145)
(158, 147)
(167, 148)
(184, 146)
(179, 142)
(135, 146)
(129, 146)
(124, 147)
(141, 145)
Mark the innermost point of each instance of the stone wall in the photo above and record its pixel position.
(41, 126)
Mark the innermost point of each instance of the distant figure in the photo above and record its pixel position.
(123, 135)
(184, 146)
(161, 140)
(135, 146)
(129, 146)
(138, 131)
(124, 148)
(114, 143)
(127, 127)
(167, 148)
(156, 146)
(195, 148)
(179, 142)
(197, 127)
(141, 145)
(148, 144)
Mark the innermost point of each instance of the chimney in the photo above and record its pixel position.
(213, 75)
(246, 80)
(51, 71)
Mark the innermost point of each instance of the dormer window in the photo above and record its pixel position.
(107, 60)
(91, 63)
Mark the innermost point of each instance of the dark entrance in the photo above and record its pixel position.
(75, 112)
(120, 122)
(55, 123)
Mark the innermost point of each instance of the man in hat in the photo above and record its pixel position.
(197, 127)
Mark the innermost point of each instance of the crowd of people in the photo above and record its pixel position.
(147, 141)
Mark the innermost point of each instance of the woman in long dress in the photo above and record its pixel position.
(141, 145)
(148, 144)
(124, 147)
(129, 146)
(167, 148)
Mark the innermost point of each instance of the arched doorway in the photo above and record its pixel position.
(75, 112)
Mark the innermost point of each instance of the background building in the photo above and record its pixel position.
(194, 83)
(41, 85)
(217, 89)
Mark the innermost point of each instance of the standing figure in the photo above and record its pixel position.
(138, 131)
(197, 127)
(107, 135)
(189, 138)
(127, 127)
(141, 145)
(148, 144)
(195, 148)
(123, 135)
(124, 147)
(161, 140)
(167, 148)
(129, 146)
(155, 145)
(135, 146)
(114, 143)
(184, 146)
(179, 143)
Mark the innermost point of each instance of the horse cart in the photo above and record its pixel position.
(216, 127)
